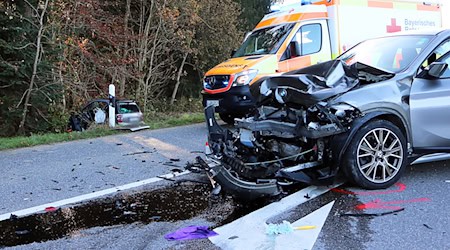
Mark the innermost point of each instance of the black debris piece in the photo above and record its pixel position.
(22, 232)
(174, 159)
(165, 178)
(153, 218)
(425, 225)
(170, 164)
(197, 166)
(373, 214)
(138, 153)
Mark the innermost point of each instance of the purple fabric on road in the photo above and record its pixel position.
(191, 232)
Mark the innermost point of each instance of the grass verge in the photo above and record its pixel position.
(155, 121)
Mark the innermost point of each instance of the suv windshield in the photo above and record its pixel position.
(264, 41)
(391, 54)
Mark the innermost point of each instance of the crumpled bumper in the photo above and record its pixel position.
(244, 189)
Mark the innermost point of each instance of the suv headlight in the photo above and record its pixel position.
(244, 77)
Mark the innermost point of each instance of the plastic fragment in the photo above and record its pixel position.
(191, 232)
(284, 228)
(50, 209)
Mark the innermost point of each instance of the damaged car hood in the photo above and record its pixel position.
(319, 82)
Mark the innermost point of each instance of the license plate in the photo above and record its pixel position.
(214, 103)
(134, 119)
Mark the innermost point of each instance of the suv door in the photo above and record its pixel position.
(430, 110)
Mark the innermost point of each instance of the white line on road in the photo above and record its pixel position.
(90, 196)
(250, 229)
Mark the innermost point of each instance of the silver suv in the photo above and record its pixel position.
(368, 114)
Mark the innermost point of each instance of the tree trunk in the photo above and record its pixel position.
(180, 71)
(125, 52)
(35, 65)
(139, 63)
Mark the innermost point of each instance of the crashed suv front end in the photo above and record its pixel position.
(298, 134)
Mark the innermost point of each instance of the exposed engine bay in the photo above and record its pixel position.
(293, 134)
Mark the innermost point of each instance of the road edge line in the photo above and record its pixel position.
(89, 196)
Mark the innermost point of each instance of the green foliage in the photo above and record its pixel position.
(39, 139)
(15, 65)
(138, 45)
(17, 56)
(166, 120)
(163, 120)
(252, 12)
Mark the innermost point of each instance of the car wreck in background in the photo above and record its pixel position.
(128, 115)
(368, 114)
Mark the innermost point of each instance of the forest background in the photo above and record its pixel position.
(55, 55)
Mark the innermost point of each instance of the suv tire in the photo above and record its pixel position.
(377, 155)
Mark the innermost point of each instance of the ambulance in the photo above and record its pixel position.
(303, 34)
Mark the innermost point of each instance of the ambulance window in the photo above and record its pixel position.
(311, 38)
(307, 40)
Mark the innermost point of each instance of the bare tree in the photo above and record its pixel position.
(37, 57)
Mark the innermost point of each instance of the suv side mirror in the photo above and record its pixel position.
(436, 69)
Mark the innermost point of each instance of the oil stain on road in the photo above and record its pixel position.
(178, 202)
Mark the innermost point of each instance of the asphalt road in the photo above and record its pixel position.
(43, 174)
(37, 175)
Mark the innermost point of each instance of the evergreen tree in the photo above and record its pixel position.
(252, 11)
(17, 57)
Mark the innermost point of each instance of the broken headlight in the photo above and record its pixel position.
(344, 112)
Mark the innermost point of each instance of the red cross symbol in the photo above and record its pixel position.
(393, 27)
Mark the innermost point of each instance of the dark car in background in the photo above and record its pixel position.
(128, 114)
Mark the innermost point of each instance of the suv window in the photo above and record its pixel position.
(437, 53)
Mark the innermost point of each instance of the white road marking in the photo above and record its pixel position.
(304, 239)
(93, 195)
(250, 229)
